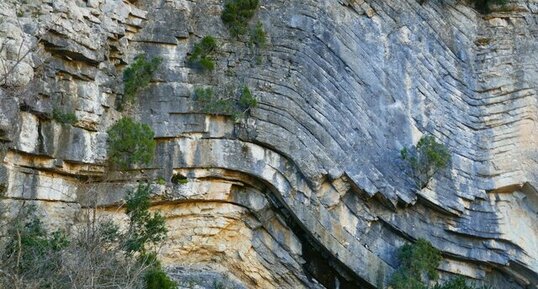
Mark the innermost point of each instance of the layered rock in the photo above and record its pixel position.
(314, 172)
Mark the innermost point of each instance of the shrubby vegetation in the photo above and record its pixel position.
(417, 260)
(237, 14)
(63, 117)
(201, 53)
(425, 159)
(130, 143)
(97, 253)
(418, 266)
(484, 6)
(138, 76)
(258, 36)
(236, 103)
(179, 179)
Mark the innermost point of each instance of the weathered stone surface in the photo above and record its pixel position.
(342, 87)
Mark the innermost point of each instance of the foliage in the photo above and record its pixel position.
(200, 55)
(425, 159)
(31, 242)
(458, 283)
(418, 260)
(484, 6)
(145, 228)
(3, 189)
(258, 36)
(138, 76)
(97, 255)
(160, 181)
(63, 117)
(246, 99)
(130, 143)
(237, 103)
(29, 252)
(418, 265)
(156, 278)
(179, 180)
(236, 15)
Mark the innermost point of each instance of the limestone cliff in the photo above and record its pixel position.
(308, 191)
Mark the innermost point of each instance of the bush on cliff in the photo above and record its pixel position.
(130, 144)
(237, 14)
(201, 54)
(418, 267)
(484, 6)
(237, 102)
(65, 117)
(425, 159)
(138, 76)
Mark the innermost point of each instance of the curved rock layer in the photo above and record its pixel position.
(308, 192)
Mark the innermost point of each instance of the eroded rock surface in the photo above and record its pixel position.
(314, 172)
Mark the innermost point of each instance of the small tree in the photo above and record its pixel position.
(425, 159)
(145, 228)
(130, 143)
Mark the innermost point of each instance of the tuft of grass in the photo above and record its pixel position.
(64, 117)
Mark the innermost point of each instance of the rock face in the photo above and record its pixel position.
(308, 191)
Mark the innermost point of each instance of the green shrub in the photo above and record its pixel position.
(484, 6)
(258, 36)
(200, 55)
(237, 105)
(236, 15)
(130, 143)
(246, 99)
(3, 189)
(98, 253)
(179, 179)
(458, 283)
(63, 117)
(138, 76)
(144, 227)
(418, 260)
(31, 246)
(156, 278)
(160, 181)
(425, 159)
(211, 104)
